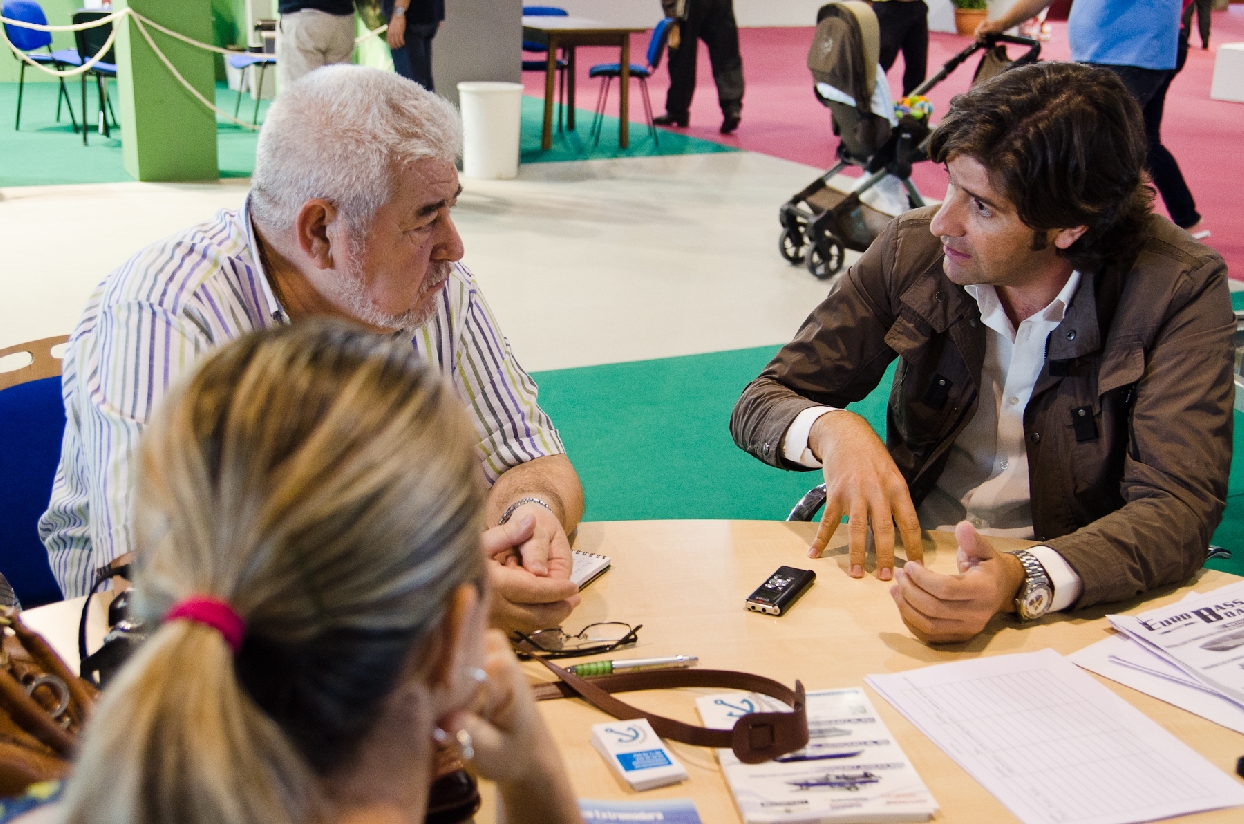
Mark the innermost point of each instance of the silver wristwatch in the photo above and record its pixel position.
(399, 11)
(1036, 595)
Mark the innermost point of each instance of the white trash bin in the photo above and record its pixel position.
(492, 117)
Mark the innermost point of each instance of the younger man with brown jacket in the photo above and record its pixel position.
(1064, 368)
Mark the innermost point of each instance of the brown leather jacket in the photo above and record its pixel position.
(1129, 425)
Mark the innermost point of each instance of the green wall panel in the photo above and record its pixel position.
(166, 133)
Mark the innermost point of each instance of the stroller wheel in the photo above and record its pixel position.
(825, 257)
(790, 245)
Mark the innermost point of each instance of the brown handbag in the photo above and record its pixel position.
(43, 707)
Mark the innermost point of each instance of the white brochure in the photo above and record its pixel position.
(1202, 635)
(851, 771)
(1140, 667)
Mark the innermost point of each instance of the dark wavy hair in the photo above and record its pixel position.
(1066, 143)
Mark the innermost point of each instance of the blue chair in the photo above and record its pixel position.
(608, 71)
(541, 64)
(29, 41)
(91, 42)
(32, 424)
(250, 60)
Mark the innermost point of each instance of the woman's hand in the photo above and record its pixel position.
(512, 745)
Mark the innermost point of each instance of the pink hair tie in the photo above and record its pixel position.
(211, 613)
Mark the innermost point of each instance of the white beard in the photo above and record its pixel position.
(352, 292)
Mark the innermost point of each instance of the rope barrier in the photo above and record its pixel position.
(102, 21)
(85, 67)
(138, 20)
(141, 22)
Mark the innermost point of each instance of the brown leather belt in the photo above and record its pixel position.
(756, 737)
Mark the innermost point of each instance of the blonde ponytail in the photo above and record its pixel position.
(175, 740)
(320, 480)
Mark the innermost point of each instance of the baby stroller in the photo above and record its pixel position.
(821, 222)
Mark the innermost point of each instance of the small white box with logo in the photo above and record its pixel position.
(637, 754)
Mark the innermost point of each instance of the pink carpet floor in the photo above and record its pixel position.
(782, 118)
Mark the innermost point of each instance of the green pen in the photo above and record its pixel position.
(633, 664)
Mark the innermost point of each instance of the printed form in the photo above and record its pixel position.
(1054, 745)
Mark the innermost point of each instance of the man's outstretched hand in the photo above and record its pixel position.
(941, 608)
(862, 482)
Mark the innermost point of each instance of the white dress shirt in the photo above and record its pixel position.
(986, 476)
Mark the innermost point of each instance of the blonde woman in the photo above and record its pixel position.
(309, 520)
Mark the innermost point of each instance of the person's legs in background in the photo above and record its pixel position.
(915, 46)
(1149, 87)
(291, 61)
(1167, 176)
(721, 34)
(1203, 9)
(681, 64)
(414, 60)
(904, 27)
(890, 25)
(309, 39)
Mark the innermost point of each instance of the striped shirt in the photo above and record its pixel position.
(174, 302)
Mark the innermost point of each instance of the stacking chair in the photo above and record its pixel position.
(608, 71)
(32, 425)
(541, 64)
(809, 504)
(90, 42)
(250, 60)
(29, 41)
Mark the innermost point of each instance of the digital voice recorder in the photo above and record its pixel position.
(782, 589)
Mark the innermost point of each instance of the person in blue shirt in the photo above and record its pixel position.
(1139, 41)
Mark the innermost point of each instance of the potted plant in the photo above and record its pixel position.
(968, 15)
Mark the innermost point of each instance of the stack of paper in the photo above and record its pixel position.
(1201, 637)
(1054, 745)
(1134, 665)
(851, 771)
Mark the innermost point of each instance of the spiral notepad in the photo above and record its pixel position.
(588, 566)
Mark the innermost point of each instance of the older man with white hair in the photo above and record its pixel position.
(348, 216)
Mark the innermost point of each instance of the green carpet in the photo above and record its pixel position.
(47, 153)
(651, 440)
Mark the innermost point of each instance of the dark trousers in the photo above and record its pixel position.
(1202, 9)
(414, 60)
(1149, 87)
(904, 27)
(713, 22)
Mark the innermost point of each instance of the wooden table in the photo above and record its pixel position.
(685, 581)
(566, 33)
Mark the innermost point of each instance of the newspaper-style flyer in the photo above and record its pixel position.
(1202, 635)
(851, 771)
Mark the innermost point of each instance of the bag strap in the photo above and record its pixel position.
(756, 737)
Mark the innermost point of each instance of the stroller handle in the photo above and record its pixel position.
(991, 40)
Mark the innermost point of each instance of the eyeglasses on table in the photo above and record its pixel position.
(594, 638)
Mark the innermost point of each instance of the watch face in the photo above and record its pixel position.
(1036, 601)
